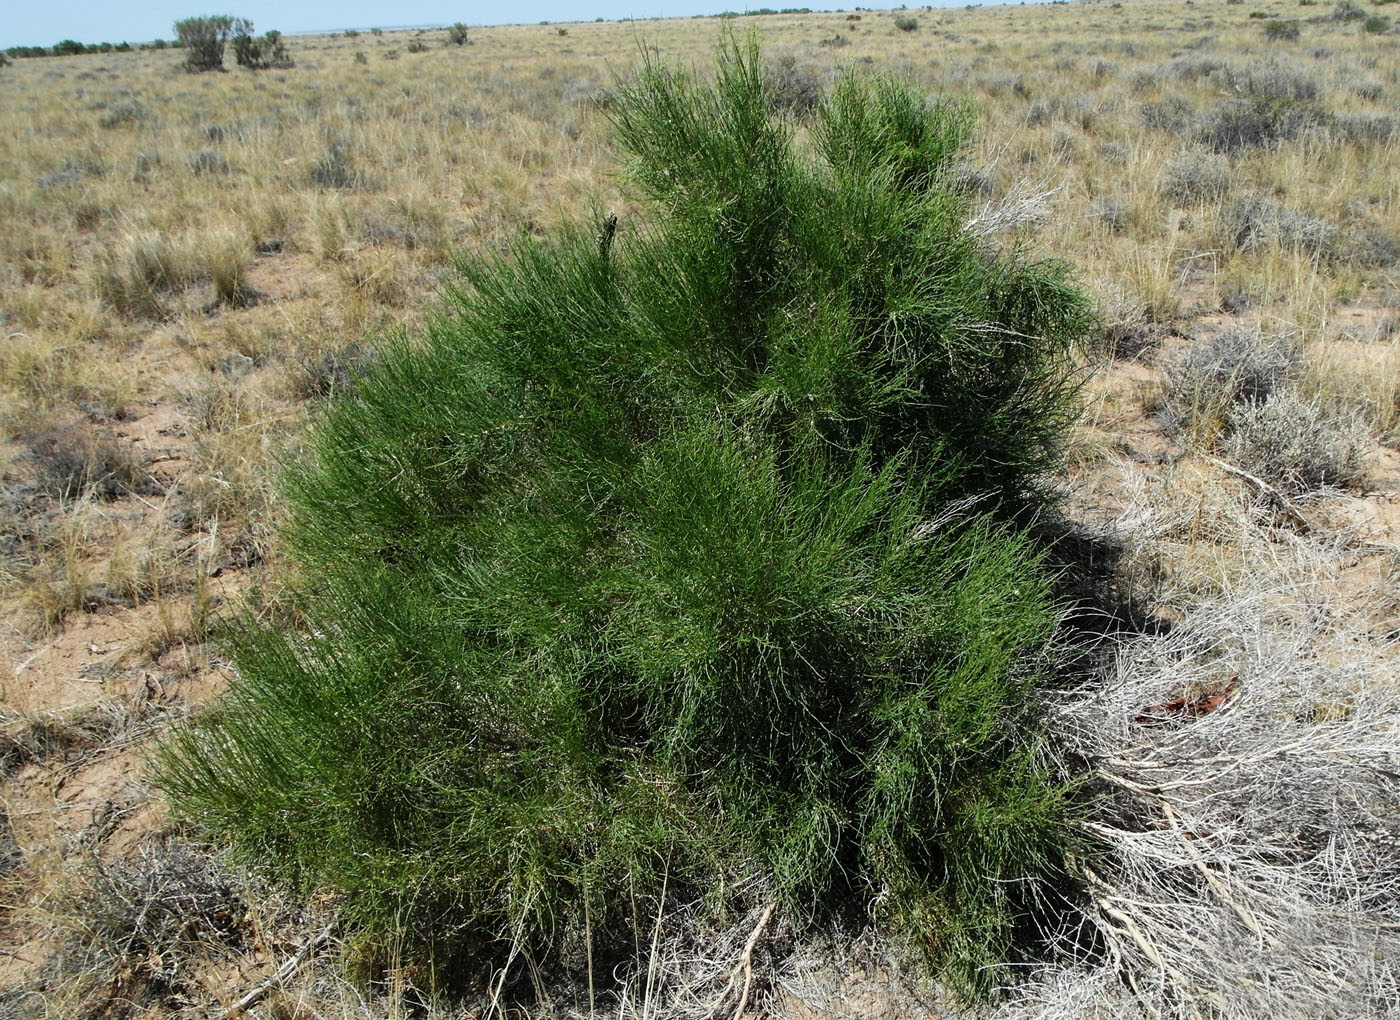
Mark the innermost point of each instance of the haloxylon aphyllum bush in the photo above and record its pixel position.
(678, 553)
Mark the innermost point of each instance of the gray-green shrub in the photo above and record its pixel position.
(1253, 222)
(1297, 444)
(1207, 381)
(1196, 177)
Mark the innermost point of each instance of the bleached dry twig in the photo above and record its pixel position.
(1249, 856)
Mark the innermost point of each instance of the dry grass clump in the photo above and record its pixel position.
(149, 273)
(1364, 380)
(134, 927)
(408, 221)
(227, 495)
(140, 277)
(43, 380)
(73, 460)
(226, 257)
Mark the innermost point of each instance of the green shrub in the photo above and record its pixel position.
(1280, 30)
(203, 38)
(458, 34)
(906, 23)
(258, 54)
(678, 554)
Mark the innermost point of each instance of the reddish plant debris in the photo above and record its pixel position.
(1190, 706)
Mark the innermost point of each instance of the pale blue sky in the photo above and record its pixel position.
(45, 22)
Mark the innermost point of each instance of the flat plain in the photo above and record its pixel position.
(191, 264)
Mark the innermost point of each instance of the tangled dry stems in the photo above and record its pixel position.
(1249, 768)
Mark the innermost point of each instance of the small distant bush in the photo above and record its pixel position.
(1112, 213)
(1279, 30)
(1173, 114)
(360, 57)
(124, 111)
(1116, 153)
(1376, 24)
(208, 161)
(457, 35)
(71, 461)
(793, 87)
(1367, 129)
(1259, 122)
(1252, 222)
(203, 40)
(1296, 444)
(59, 178)
(1369, 248)
(1196, 177)
(331, 373)
(334, 170)
(906, 23)
(1366, 88)
(417, 46)
(1346, 11)
(1274, 79)
(1195, 68)
(259, 54)
(1043, 111)
(683, 563)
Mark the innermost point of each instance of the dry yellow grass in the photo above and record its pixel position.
(189, 262)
